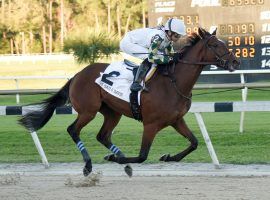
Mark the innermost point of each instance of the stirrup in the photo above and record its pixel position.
(135, 87)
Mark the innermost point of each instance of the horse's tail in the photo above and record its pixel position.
(36, 119)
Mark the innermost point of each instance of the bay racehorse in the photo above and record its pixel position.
(165, 104)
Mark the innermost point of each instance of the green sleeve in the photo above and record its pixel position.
(154, 57)
(170, 50)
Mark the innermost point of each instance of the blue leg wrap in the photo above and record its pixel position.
(80, 146)
(83, 151)
(116, 150)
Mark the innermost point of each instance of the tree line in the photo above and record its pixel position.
(48, 26)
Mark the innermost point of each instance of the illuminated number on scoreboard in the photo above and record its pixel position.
(249, 40)
(239, 40)
(244, 52)
(241, 2)
(244, 28)
(222, 29)
(251, 28)
(234, 41)
(231, 29)
(190, 30)
(190, 19)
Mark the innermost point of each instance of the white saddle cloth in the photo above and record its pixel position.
(116, 80)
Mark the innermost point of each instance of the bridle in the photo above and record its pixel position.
(219, 58)
(220, 61)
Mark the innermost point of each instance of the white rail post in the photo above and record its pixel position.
(40, 149)
(207, 140)
(17, 95)
(244, 99)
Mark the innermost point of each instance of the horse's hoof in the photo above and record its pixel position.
(86, 171)
(110, 157)
(165, 157)
(128, 170)
(87, 168)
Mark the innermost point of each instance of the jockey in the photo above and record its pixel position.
(152, 45)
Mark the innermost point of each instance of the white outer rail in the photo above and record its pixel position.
(17, 78)
(244, 90)
(255, 71)
(201, 107)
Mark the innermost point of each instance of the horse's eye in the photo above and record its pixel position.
(214, 45)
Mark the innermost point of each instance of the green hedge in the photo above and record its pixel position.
(87, 48)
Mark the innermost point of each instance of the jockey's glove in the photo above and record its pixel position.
(176, 57)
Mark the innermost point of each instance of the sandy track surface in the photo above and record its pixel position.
(159, 182)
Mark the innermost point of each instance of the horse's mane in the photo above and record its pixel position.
(192, 39)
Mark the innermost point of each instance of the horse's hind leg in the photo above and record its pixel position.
(111, 119)
(74, 131)
(183, 129)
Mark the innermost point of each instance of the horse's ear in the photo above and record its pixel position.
(214, 32)
(201, 32)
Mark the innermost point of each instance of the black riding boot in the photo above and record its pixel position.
(140, 75)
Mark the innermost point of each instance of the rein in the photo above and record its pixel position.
(173, 80)
(219, 58)
(219, 62)
(178, 91)
(198, 63)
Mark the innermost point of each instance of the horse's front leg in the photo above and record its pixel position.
(181, 127)
(149, 134)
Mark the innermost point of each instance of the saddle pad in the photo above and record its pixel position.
(117, 79)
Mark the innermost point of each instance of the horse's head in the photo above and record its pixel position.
(217, 52)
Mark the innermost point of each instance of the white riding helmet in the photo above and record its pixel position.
(176, 25)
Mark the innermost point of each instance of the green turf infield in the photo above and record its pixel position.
(252, 146)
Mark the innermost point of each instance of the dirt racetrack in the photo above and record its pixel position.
(153, 182)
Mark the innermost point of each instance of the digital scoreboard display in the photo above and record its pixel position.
(244, 25)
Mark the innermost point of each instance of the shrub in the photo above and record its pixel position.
(89, 47)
